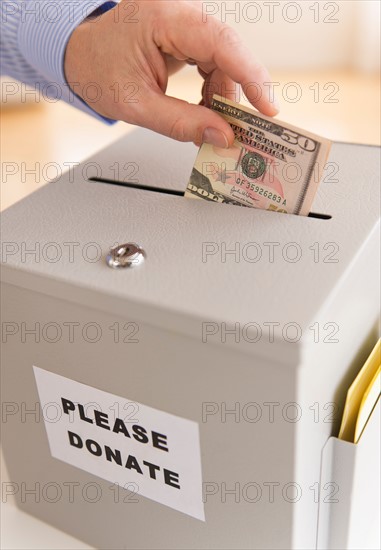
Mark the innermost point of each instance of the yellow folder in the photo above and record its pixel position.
(361, 398)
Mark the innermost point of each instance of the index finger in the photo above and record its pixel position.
(186, 33)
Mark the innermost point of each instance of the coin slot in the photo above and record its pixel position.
(139, 186)
(176, 192)
(319, 216)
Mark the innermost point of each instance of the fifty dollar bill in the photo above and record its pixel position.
(271, 165)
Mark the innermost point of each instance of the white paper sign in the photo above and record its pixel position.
(123, 441)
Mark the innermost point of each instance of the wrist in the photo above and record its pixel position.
(77, 56)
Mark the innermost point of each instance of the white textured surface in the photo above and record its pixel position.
(21, 531)
(355, 468)
(175, 287)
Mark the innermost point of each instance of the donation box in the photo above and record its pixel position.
(173, 369)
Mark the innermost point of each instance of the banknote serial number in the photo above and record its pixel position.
(261, 191)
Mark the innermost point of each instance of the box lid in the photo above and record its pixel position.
(206, 263)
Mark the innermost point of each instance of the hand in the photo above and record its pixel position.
(129, 57)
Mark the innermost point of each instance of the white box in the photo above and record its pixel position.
(260, 464)
(352, 519)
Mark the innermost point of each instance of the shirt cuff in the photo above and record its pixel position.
(44, 31)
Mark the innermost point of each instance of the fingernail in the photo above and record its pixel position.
(215, 137)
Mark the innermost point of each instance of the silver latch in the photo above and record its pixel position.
(125, 255)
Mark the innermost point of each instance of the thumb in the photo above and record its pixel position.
(184, 121)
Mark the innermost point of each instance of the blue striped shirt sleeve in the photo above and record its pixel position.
(34, 35)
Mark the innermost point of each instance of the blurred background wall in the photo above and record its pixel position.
(307, 35)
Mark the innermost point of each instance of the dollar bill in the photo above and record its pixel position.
(271, 165)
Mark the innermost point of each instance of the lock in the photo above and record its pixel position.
(125, 255)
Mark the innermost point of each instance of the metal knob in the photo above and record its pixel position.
(125, 255)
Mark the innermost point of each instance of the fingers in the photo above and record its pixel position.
(216, 46)
(219, 83)
(234, 59)
(173, 65)
(183, 121)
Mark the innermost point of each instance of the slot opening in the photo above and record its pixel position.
(176, 192)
